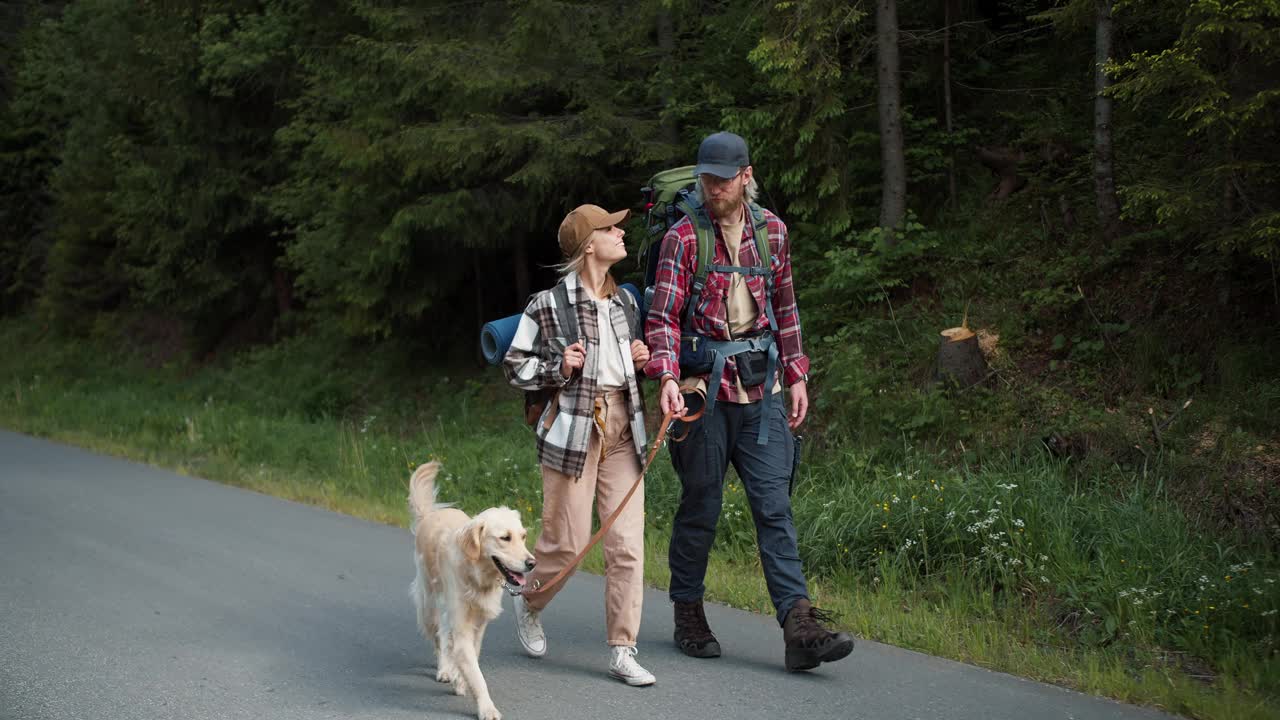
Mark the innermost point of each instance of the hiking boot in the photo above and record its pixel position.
(693, 635)
(809, 644)
(529, 628)
(623, 666)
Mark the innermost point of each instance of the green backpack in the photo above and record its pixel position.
(669, 196)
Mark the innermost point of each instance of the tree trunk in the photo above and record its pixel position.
(522, 283)
(667, 48)
(893, 198)
(1103, 169)
(960, 358)
(948, 16)
(477, 274)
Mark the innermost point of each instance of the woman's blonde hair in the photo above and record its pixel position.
(575, 263)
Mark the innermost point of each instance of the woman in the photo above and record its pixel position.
(591, 434)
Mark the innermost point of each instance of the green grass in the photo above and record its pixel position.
(1007, 558)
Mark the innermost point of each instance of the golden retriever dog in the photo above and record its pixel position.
(463, 563)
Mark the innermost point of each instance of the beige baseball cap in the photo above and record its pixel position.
(578, 225)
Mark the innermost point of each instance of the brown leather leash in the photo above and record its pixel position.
(608, 522)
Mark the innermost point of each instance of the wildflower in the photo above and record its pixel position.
(951, 513)
(1268, 613)
(895, 499)
(1018, 522)
(1044, 579)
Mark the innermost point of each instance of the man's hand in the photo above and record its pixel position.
(639, 354)
(575, 356)
(669, 398)
(799, 404)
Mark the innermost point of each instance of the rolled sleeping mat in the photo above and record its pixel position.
(496, 335)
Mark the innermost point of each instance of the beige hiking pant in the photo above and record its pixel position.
(566, 521)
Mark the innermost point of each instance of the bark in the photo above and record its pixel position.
(284, 291)
(948, 15)
(667, 47)
(1103, 167)
(522, 282)
(960, 358)
(893, 198)
(477, 280)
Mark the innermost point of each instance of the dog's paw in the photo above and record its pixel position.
(460, 687)
(489, 713)
(444, 675)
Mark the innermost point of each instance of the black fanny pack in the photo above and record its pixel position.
(753, 365)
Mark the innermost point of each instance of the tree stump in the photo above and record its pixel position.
(960, 359)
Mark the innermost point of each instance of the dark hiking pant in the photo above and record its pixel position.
(701, 460)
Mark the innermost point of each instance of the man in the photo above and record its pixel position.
(745, 323)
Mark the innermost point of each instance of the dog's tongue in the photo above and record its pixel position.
(518, 577)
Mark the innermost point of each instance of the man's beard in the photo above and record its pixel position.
(726, 208)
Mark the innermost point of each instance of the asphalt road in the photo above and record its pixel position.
(132, 592)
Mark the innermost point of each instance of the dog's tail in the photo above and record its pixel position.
(422, 491)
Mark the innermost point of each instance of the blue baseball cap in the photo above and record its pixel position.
(722, 154)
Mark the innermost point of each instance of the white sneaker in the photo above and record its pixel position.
(623, 665)
(529, 628)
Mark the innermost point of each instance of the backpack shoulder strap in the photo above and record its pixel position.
(566, 318)
(706, 236)
(633, 314)
(760, 227)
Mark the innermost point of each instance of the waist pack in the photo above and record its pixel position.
(750, 355)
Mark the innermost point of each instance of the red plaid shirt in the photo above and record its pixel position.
(676, 269)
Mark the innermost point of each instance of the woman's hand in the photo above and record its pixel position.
(639, 354)
(575, 356)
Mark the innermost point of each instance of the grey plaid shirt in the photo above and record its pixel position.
(533, 362)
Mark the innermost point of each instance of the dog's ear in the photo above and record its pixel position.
(472, 540)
